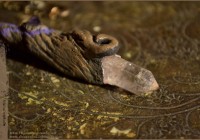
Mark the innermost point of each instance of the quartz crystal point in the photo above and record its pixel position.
(121, 73)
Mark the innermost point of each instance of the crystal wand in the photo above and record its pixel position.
(79, 54)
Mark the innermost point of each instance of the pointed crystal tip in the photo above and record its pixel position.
(147, 81)
(121, 73)
(154, 86)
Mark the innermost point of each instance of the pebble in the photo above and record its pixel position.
(28, 73)
(34, 6)
(55, 80)
(55, 11)
(64, 13)
(39, 4)
(131, 135)
(82, 128)
(128, 55)
(116, 131)
(97, 28)
(27, 9)
(48, 110)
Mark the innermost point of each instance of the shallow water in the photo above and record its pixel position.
(160, 36)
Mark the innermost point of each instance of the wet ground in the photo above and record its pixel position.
(163, 37)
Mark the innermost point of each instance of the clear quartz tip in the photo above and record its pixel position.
(126, 75)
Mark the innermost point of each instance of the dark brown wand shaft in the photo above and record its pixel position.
(80, 54)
